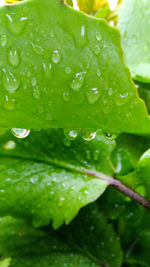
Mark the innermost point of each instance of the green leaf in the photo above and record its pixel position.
(89, 241)
(69, 73)
(144, 92)
(5, 262)
(134, 25)
(129, 149)
(46, 174)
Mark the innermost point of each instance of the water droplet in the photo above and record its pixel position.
(56, 57)
(98, 36)
(9, 145)
(81, 39)
(61, 201)
(67, 143)
(110, 91)
(68, 70)
(47, 70)
(96, 155)
(38, 49)
(52, 34)
(13, 57)
(110, 136)
(88, 135)
(98, 73)
(3, 40)
(66, 96)
(33, 81)
(36, 92)
(97, 50)
(77, 83)
(20, 133)
(10, 81)
(15, 24)
(9, 103)
(93, 95)
(71, 134)
(121, 99)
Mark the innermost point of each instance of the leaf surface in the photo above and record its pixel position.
(69, 73)
(45, 174)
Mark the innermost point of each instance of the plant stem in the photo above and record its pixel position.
(122, 188)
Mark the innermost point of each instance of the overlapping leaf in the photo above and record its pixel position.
(89, 241)
(62, 68)
(134, 25)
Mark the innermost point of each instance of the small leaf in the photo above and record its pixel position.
(45, 173)
(134, 25)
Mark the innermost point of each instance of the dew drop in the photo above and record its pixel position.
(9, 145)
(33, 81)
(96, 155)
(97, 50)
(16, 25)
(68, 70)
(56, 57)
(110, 91)
(67, 143)
(10, 82)
(66, 96)
(9, 103)
(110, 136)
(71, 134)
(20, 133)
(82, 38)
(88, 135)
(98, 73)
(36, 92)
(38, 49)
(13, 57)
(3, 40)
(47, 70)
(98, 36)
(93, 95)
(77, 83)
(121, 99)
(61, 201)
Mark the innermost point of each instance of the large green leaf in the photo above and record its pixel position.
(134, 24)
(45, 174)
(62, 68)
(89, 241)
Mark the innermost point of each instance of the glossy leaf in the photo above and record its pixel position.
(74, 65)
(45, 172)
(70, 246)
(134, 25)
